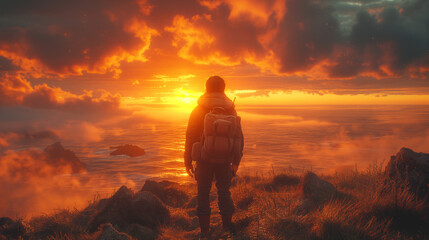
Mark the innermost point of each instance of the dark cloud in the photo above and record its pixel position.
(380, 42)
(162, 12)
(233, 37)
(215, 37)
(335, 39)
(72, 36)
(7, 65)
(306, 35)
(387, 44)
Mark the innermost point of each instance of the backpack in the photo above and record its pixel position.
(221, 140)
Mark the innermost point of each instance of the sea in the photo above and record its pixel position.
(323, 139)
(277, 138)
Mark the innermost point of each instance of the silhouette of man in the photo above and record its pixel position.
(207, 166)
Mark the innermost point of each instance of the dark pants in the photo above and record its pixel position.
(223, 175)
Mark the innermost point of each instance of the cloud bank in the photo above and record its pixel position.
(284, 36)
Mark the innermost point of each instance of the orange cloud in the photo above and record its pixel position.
(15, 90)
(298, 38)
(76, 38)
(304, 38)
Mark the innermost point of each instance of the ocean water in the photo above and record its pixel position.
(318, 138)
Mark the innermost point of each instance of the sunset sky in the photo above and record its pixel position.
(62, 54)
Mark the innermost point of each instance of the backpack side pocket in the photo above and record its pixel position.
(196, 152)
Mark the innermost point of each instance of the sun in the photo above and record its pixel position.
(184, 99)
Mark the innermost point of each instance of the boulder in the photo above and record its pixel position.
(140, 232)
(410, 170)
(109, 233)
(279, 181)
(125, 208)
(167, 191)
(315, 192)
(245, 202)
(128, 149)
(316, 189)
(11, 229)
(193, 203)
(304, 206)
(57, 155)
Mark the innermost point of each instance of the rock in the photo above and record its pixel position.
(410, 170)
(167, 191)
(109, 233)
(316, 189)
(184, 223)
(5, 221)
(57, 155)
(11, 229)
(285, 180)
(194, 201)
(245, 202)
(128, 149)
(140, 232)
(303, 207)
(315, 192)
(192, 212)
(125, 208)
(280, 181)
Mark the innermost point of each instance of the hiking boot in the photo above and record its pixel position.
(204, 224)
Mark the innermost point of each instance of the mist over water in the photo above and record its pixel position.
(324, 138)
(318, 138)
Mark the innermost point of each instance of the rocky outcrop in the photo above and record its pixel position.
(128, 149)
(315, 193)
(194, 201)
(410, 170)
(279, 181)
(316, 189)
(125, 208)
(140, 232)
(11, 229)
(109, 233)
(56, 155)
(167, 191)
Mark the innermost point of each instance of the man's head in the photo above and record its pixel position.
(215, 84)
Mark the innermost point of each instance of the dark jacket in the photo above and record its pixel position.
(196, 121)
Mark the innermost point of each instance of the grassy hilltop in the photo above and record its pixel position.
(348, 205)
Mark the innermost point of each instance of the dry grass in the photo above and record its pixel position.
(264, 210)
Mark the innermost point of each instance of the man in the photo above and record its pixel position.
(211, 162)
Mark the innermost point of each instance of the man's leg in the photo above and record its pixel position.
(223, 175)
(204, 176)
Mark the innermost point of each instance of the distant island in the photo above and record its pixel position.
(128, 149)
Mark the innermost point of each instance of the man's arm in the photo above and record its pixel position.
(193, 133)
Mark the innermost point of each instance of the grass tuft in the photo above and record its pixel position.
(360, 209)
